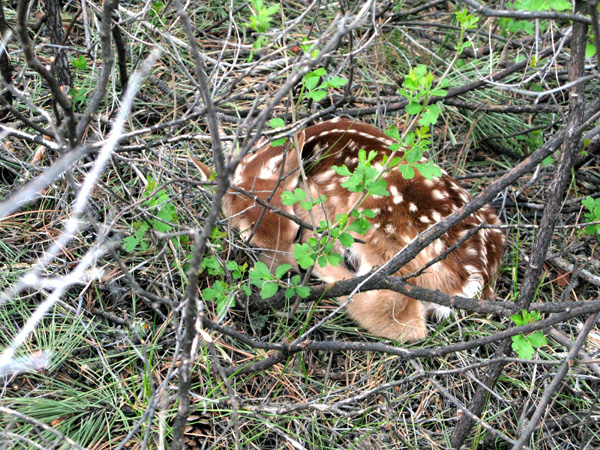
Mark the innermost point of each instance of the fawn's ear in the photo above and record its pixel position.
(205, 171)
(301, 137)
(293, 156)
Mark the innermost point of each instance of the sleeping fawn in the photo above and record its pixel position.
(411, 207)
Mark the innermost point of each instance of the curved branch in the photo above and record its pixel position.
(526, 15)
(58, 95)
(107, 64)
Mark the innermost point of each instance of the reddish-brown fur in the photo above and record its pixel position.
(412, 206)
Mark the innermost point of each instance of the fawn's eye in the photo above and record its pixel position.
(298, 235)
(350, 261)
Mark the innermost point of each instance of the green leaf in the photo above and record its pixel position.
(259, 274)
(413, 155)
(278, 142)
(590, 50)
(304, 255)
(235, 269)
(429, 170)
(161, 227)
(342, 171)
(80, 63)
(378, 187)
(537, 339)
(272, 10)
(289, 198)
(559, 5)
(246, 290)
(430, 116)
(547, 161)
(346, 240)
(517, 319)
(223, 304)
(408, 173)
(589, 203)
(317, 95)
(209, 294)
(307, 206)
(282, 270)
(303, 291)
(393, 133)
(414, 108)
(522, 347)
(269, 290)
(130, 243)
(211, 265)
(334, 259)
(312, 78)
(360, 226)
(335, 82)
(276, 122)
(368, 213)
(439, 92)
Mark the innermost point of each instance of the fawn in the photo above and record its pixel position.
(411, 207)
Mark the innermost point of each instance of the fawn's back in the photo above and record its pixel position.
(411, 207)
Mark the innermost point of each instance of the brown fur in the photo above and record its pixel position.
(413, 206)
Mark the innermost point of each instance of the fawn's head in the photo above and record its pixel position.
(265, 174)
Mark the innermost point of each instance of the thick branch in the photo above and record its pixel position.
(107, 64)
(573, 131)
(36, 65)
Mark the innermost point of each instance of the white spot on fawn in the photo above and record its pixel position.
(439, 195)
(274, 162)
(397, 197)
(474, 286)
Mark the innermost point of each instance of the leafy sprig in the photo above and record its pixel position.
(524, 345)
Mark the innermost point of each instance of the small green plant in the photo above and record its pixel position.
(222, 292)
(524, 345)
(593, 215)
(417, 88)
(533, 140)
(415, 144)
(299, 195)
(228, 277)
(543, 5)
(320, 248)
(277, 123)
(80, 63)
(163, 210)
(530, 27)
(260, 22)
(364, 178)
(467, 22)
(315, 91)
(590, 47)
(306, 47)
(155, 11)
(78, 94)
(269, 284)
